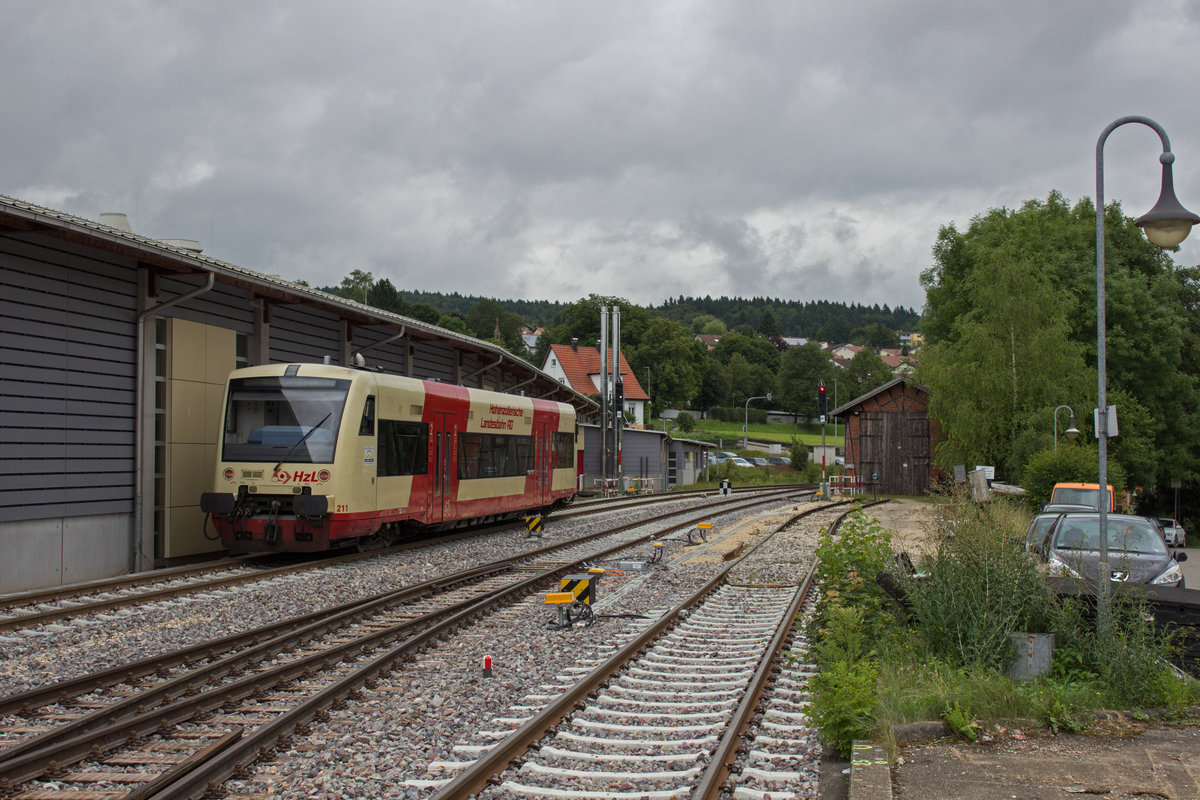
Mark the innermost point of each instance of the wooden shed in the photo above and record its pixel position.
(890, 439)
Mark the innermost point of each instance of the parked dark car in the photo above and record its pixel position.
(1069, 544)
(780, 461)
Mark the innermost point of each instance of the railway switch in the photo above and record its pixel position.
(573, 603)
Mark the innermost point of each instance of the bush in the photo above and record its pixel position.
(1073, 462)
(798, 453)
(843, 704)
(686, 422)
(978, 588)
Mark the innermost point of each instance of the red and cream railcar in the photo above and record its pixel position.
(314, 456)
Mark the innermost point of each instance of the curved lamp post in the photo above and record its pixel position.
(1071, 432)
(746, 424)
(1166, 225)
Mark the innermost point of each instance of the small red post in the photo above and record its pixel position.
(487, 666)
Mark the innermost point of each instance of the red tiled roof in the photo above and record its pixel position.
(580, 364)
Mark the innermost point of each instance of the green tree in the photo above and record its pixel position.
(754, 349)
(708, 325)
(674, 359)
(985, 382)
(425, 313)
(715, 384)
(355, 286)
(1151, 308)
(382, 294)
(768, 325)
(454, 322)
(802, 369)
(875, 336)
(865, 372)
(581, 320)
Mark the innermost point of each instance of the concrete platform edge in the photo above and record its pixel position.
(870, 772)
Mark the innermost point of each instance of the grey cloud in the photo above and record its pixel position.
(550, 150)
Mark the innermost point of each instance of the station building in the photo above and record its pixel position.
(113, 361)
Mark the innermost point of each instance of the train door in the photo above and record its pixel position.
(445, 476)
(543, 437)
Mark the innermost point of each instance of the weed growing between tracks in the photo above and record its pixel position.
(941, 651)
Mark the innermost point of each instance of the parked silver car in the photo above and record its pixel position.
(1137, 552)
(1172, 532)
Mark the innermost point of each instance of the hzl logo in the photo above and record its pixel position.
(300, 476)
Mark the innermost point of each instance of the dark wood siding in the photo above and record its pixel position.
(66, 380)
(888, 440)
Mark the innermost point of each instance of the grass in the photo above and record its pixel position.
(781, 432)
(944, 653)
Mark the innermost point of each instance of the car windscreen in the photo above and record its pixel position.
(1124, 535)
(1078, 496)
(288, 418)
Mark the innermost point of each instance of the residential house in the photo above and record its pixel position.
(579, 368)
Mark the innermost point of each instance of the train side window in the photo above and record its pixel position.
(403, 448)
(488, 455)
(564, 450)
(367, 426)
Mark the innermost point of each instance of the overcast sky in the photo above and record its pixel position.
(547, 150)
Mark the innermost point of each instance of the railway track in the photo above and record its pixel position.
(666, 715)
(28, 609)
(185, 718)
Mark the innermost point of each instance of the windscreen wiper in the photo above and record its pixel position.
(300, 442)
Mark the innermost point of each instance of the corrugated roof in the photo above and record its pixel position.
(17, 215)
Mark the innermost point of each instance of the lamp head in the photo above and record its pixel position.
(1168, 223)
(1072, 433)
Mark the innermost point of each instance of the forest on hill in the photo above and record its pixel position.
(813, 319)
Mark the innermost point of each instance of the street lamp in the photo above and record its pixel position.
(746, 424)
(1071, 433)
(1166, 225)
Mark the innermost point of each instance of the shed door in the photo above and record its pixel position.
(895, 447)
(915, 432)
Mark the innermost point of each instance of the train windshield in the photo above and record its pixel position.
(288, 419)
